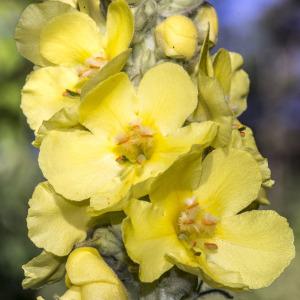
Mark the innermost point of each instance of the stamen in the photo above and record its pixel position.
(211, 246)
(141, 158)
(191, 202)
(122, 138)
(136, 144)
(209, 220)
(69, 93)
(121, 159)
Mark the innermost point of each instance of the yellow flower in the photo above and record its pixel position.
(90, 278)
(133, 136)
(177, 37)
(202, 230)
(54, 33)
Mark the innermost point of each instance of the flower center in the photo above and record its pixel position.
(92, 65)
(136, 145)
(196, 227)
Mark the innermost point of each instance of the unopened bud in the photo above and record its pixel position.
(177, 37)
(205, 19)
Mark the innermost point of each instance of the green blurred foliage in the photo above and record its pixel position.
(18, 166)
(271, 65)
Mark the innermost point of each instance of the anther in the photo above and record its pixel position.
(211, 246)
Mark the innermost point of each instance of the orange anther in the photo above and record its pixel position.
(211, 246)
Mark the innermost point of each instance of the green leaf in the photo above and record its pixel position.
(65, 119)
(45, 268)
(111, 68)
(222, 70)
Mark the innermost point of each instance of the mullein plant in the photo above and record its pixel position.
(153, 185)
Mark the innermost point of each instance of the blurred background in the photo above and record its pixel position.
(265, 32)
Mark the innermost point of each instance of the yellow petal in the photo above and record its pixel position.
(93, 9)
(256, 246)
(173, 187)
(246, 141)
(103, 291)
(43, 93)
(170, 148)
(85, 265)
(148, 236)
(113, 195)
(30, 25)
(70, 39)
(167, 97)
(109, 108)
(240, 85)
(230, 181)
(74, 293)
(119, 28)
(77, 163)
(55, 223)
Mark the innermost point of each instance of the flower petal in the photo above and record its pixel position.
(93, 8)
(73, 293)
(70, 39)
(42, 95)
(148, 236)
(247, 142)
(230, 181)
(30, 25)
(255, 245)
(77, 163)
(103, 291)
(167, 97)
(85, 265)
(240, 85)
(173, 146)
(109, 108)
(55, 223)
(113, 196)
(119, 28)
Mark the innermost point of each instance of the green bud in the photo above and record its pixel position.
(145, 16)
(207, 19)
(172, 7)
(45, 268)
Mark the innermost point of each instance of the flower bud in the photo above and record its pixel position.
(177, 37)
(89, 277)
(205, 19)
